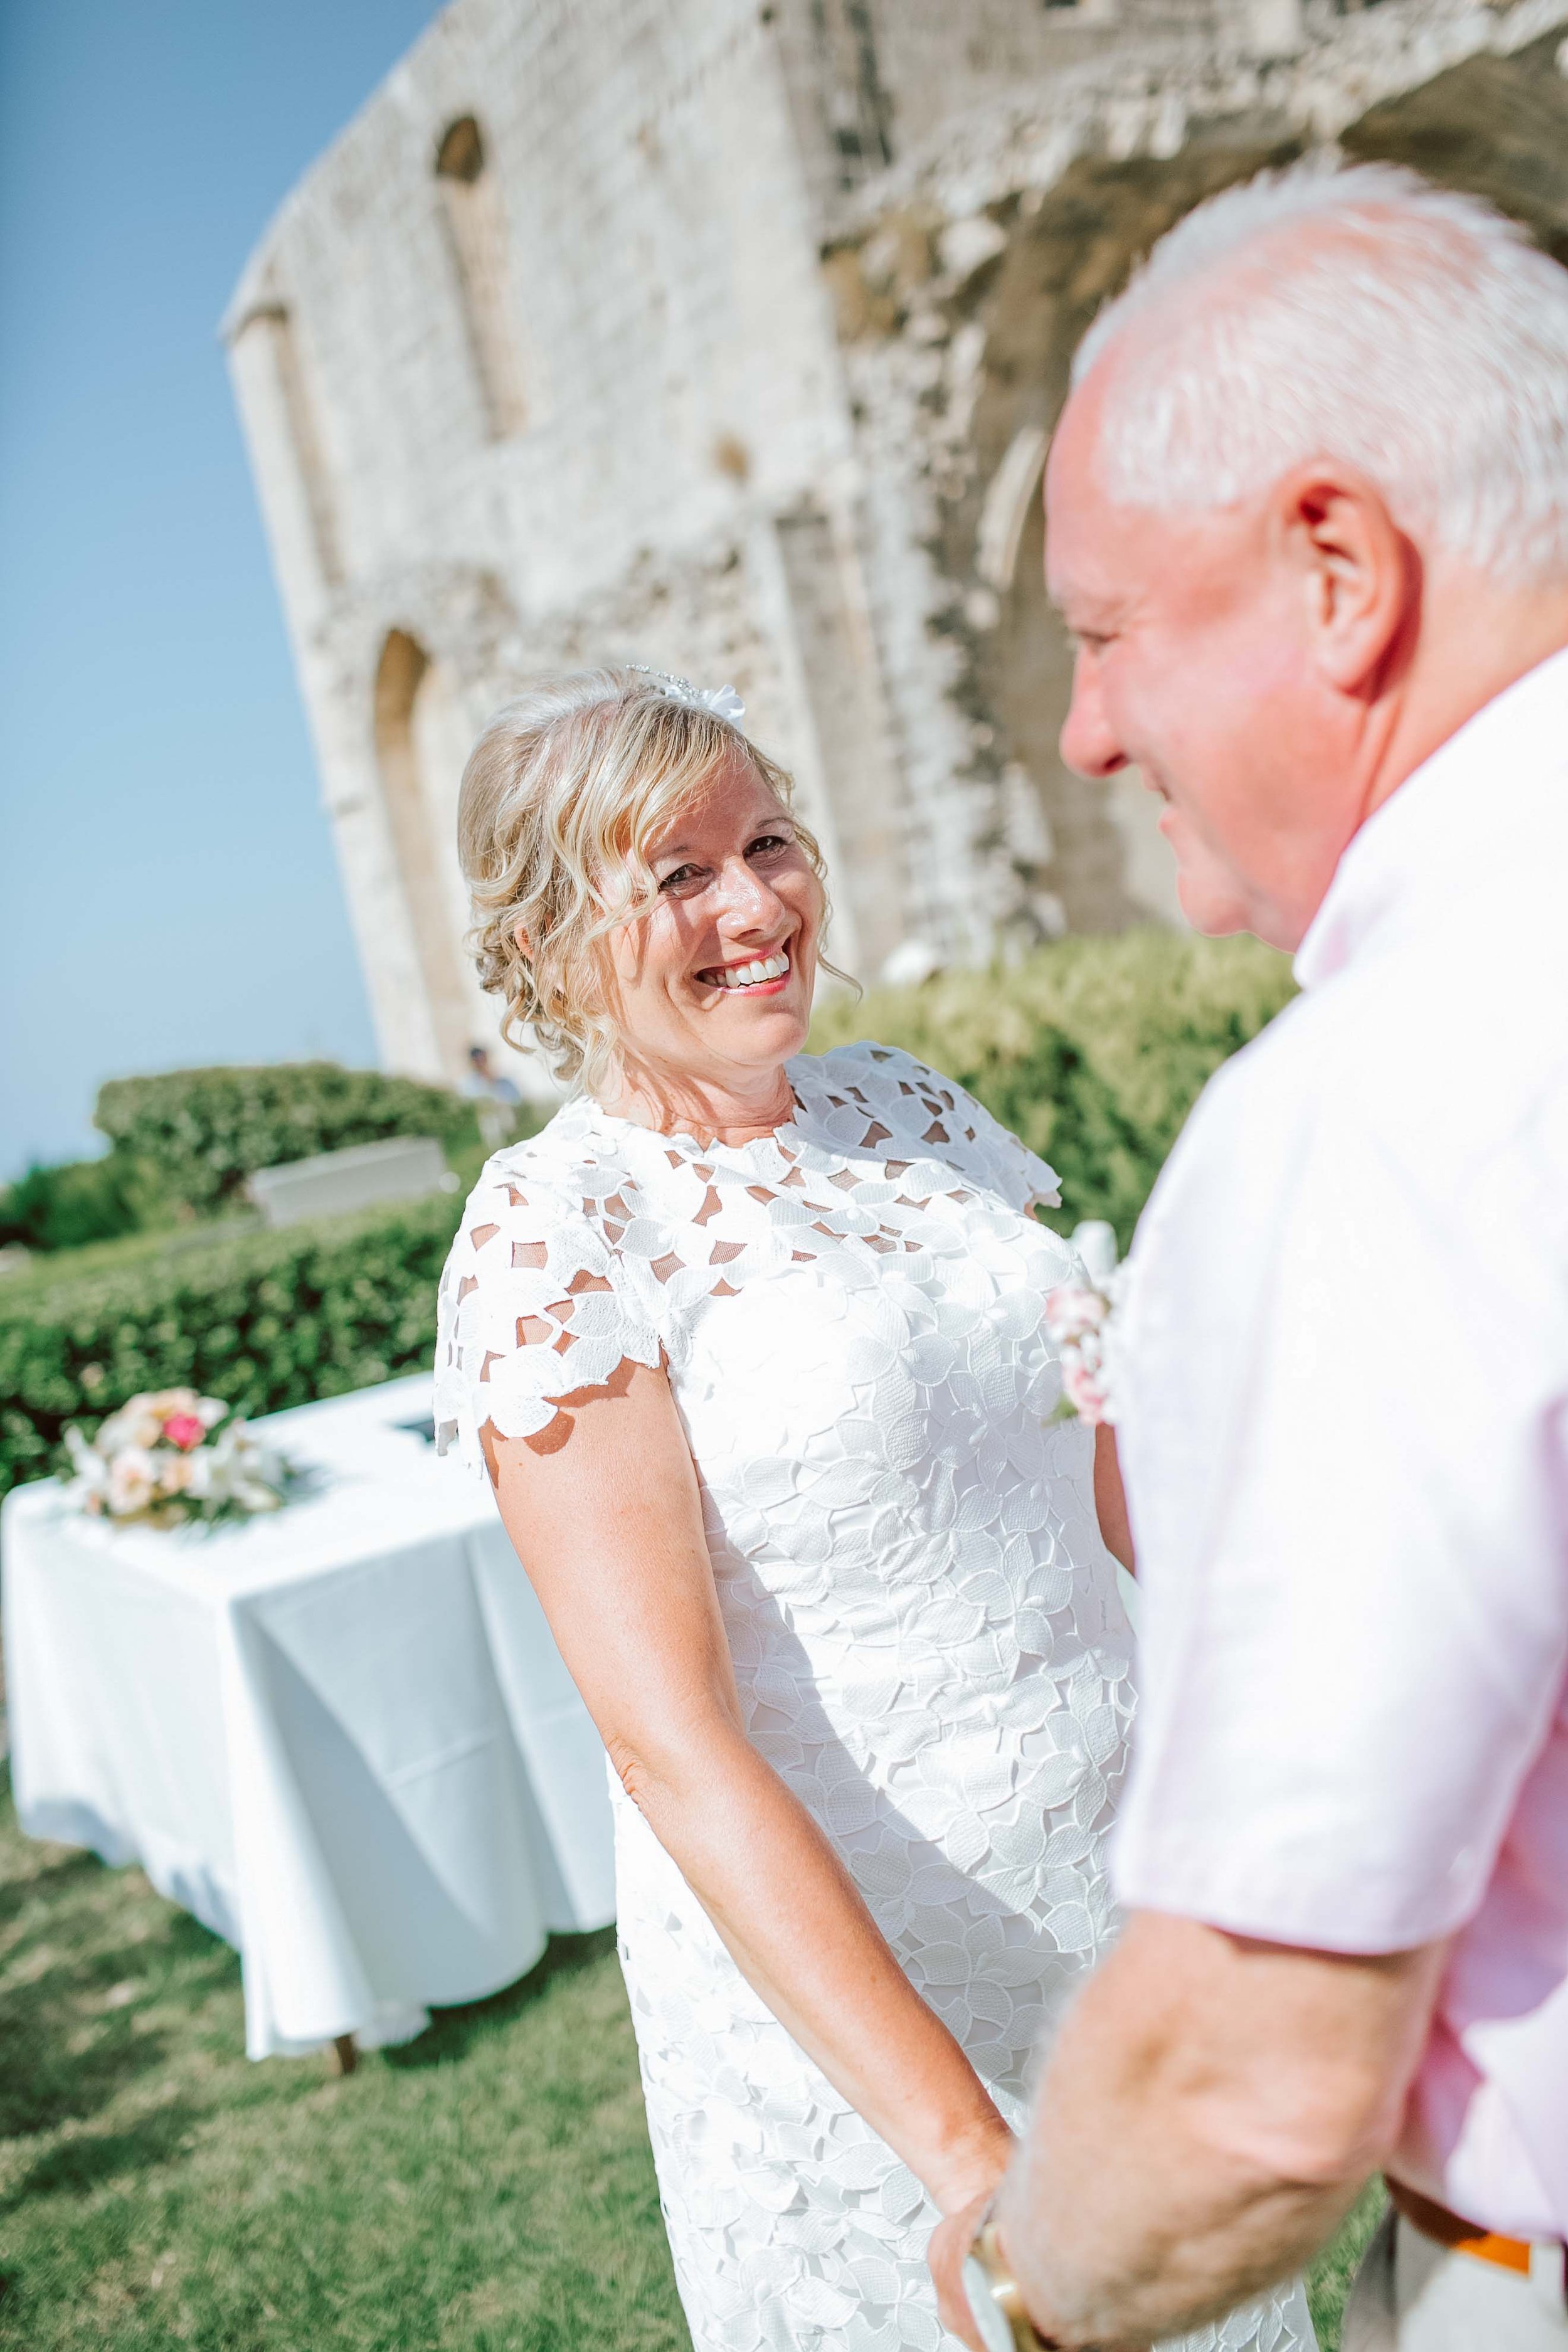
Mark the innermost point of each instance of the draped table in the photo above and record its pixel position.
(341, 1735)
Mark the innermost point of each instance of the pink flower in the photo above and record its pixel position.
(1089, 1398)
(185, 1430)
(1081, 1323)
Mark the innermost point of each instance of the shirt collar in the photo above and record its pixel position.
(1428, 826)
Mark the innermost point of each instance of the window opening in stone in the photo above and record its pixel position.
(475, 230)
(276, 324)
(856, 103)
(419, 748)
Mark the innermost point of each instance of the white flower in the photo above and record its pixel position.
(724, 703)
(132, 1480)
(90, 1485)
(136, 1423)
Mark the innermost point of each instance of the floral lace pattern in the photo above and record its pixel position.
(925, 1626)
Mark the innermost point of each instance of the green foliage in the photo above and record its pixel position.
(68, 1206)
(489, 2185)
(263, 1320)
(203, 1132)
(1093, 1050)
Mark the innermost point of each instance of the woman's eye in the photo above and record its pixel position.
(767, 841)
(679, 880)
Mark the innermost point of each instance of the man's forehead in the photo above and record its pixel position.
(1086, 557)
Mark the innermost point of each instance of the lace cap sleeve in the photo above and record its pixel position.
(532, 1307)
(953, 1123)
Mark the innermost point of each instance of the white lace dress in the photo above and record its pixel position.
(925, 1626)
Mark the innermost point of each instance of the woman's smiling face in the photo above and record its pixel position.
(714, 982)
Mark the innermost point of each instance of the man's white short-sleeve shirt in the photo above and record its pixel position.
(1342, 1397)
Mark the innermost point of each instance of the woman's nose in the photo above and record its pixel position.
(749, 903)
(1088, 742)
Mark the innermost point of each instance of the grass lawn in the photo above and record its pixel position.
(489, 2188)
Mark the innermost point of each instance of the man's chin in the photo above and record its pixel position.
(1218, 914)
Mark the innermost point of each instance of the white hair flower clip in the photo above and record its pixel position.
(722, 700)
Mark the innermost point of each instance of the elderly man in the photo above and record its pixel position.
(1308, 523)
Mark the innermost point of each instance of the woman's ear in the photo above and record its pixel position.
(524, 945)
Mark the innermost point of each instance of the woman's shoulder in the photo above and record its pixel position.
(562, 1175)
(894, 1081)
(864, 1062)
(920, 1107)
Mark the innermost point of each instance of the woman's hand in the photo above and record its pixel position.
(950, 2242)
(604, 1509)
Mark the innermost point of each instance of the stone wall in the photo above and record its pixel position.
(727, 337)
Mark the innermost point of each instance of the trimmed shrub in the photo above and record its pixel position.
(263, 1320)
(77, 1202)
(202, 1132)
(1093, 1050)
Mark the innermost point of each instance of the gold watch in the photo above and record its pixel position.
(993, 2294)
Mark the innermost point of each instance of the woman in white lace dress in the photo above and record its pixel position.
(751, 1344)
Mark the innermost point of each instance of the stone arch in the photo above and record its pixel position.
(476, 233)
(1083, 857)
(420, 747)
(281, 391)
(1494, 124)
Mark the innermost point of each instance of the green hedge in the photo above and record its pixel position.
(73, 1203)
(201, 1133)
(263, 1320)
(1093, 1050)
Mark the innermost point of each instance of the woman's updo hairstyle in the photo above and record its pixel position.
(560, 799)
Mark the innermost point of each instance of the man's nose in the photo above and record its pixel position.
(1088, 742)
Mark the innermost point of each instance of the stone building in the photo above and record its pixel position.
(727, 335)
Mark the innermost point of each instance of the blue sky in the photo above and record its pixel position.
(168, 893)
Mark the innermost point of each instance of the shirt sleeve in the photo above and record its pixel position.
(1355, 1615)
(534, 1304)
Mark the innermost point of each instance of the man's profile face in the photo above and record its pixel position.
(1191, 665)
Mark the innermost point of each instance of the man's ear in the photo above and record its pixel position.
(1360, 576)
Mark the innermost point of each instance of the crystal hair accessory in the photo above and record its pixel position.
(722, 700)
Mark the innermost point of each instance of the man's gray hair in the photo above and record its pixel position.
(1356, 313)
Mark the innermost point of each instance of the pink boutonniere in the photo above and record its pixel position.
(1081, 1318)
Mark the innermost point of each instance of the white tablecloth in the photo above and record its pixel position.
(341, 1735)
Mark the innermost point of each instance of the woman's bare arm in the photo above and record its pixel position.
(1110, 1499)
(603, 1507)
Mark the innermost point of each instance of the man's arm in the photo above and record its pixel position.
(1211, 2111)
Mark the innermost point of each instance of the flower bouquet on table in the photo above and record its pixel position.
(1080, 1318)
(170, 1457)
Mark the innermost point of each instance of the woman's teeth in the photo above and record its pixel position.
(750, 975)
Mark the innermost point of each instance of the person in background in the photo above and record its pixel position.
(1308, 523)
(496, 1099)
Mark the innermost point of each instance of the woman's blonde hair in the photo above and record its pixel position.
(560, 799)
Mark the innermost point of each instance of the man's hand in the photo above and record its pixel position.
(950, 2241)
(1211, 2109)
